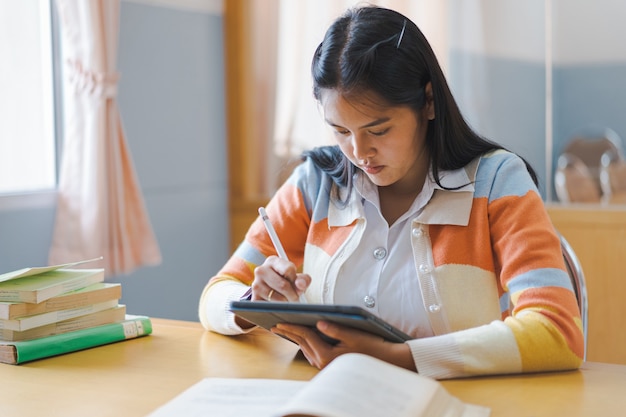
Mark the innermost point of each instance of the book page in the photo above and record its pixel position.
(356, 385)
(231, 397)
(353, 385)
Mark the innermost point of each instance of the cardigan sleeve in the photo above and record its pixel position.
(289, 212)
(543, 331)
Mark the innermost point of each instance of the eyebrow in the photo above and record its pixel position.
(370, 124)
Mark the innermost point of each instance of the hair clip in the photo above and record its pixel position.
(401, 34)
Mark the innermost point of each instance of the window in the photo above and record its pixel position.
(27, 128)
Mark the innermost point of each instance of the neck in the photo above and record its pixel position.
(397, 198)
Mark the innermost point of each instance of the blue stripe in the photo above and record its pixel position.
(314, 186)
(503, 174)
(505, 302)
(249, 253)
(538, 278)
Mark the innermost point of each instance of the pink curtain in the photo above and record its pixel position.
(100, 209)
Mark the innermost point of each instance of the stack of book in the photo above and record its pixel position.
(59, 309)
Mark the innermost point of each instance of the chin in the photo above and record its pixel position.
(380, 182)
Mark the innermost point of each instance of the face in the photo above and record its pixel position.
(387, 143)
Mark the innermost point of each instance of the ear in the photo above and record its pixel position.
(430, 102)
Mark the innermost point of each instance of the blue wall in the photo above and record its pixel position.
(507, 104)
(511, 107)
(171, 98)
(588, 95)
(25, 236)
(172, 103)
(497, 72)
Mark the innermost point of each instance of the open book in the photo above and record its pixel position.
(353, 385)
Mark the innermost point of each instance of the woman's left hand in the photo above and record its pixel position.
(320, 353)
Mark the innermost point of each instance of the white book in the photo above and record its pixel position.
(37, 320)
(353, 385)
(109, 315)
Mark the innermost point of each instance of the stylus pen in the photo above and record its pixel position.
(274, 237)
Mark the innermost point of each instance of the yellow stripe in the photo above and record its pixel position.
(542, 347)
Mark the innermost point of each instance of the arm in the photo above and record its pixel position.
(291, 220)
(543, 331)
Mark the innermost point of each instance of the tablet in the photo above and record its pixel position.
(267, 314)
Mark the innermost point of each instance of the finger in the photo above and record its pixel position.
(317, 351)
(269, 277)
(262, 288)
(265, 293)
(308, 352)
(302, 282)
(308, 358)
(289, 286)
(293, 336)
(346, 335)
(283, 289)
(283, 267)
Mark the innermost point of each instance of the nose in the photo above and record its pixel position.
(361, 147)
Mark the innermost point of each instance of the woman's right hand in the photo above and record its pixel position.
(278, 280)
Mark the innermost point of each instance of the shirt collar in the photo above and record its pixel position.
(446, 206)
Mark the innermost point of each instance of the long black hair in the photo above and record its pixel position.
(376, 50)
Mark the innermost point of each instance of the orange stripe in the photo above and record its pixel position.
(526, 243)
(329, 240)
(468, 241)
(235, 267)
(291, 222)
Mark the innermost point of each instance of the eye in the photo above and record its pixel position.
(379, 132)
(342, 132)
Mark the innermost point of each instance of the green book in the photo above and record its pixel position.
(43, 286)
(24, 351)
(26, 272)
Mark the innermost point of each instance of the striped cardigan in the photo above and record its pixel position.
(488, 260)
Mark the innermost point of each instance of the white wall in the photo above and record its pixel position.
(589, 31)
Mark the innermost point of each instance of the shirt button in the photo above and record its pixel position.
(417, 232)
(425, 269)
(380, 253)
(369, 301)
(433, 308)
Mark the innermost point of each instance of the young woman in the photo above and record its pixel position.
(412, 216)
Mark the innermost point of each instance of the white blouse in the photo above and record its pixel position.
(380, 275)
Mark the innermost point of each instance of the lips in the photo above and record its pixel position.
(372, 170)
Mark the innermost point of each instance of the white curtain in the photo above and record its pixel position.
(298, 124)
(100, 209)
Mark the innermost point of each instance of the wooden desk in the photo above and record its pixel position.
(135, 377)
